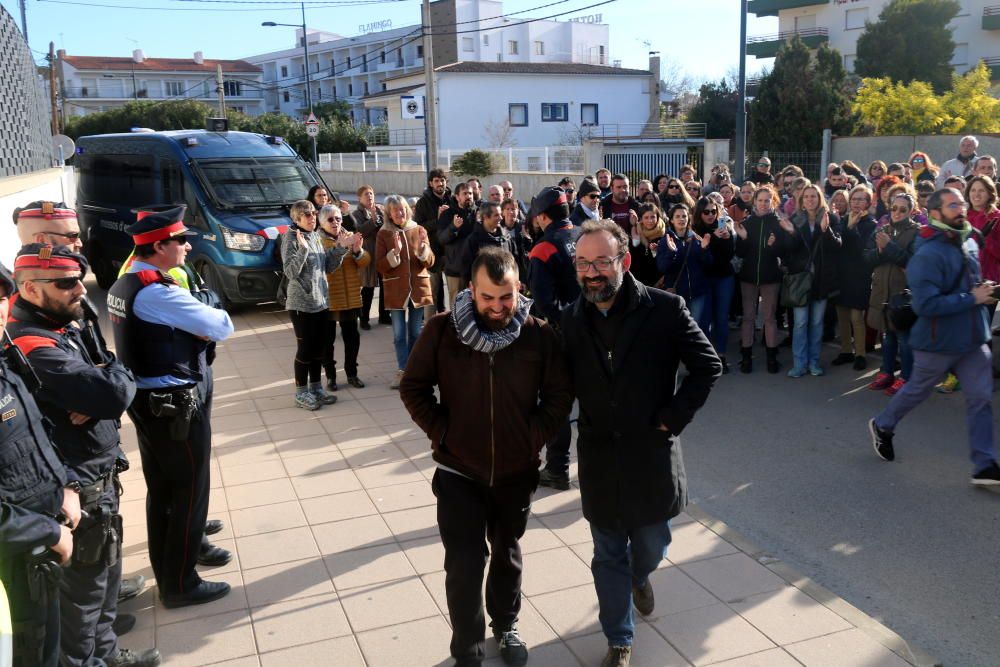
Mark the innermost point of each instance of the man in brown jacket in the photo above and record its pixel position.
(504, 391)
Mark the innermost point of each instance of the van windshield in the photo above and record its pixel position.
(252, 182)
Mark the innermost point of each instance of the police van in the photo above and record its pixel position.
(237, 186)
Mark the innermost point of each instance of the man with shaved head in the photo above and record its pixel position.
(48, 222)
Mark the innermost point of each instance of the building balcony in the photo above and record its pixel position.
(89, 93)
(772, 7)
(766, 46)
(994, 65)
(991, 18)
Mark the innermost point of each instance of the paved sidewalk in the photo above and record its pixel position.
(338, 562)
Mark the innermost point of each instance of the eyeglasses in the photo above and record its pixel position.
(710, 211)
(601, 264)
(673, 187)
(334, 219)
(763, 164)
(66, 235)
(918, 160)
(309, 214)
(691, 188)
(69, 282)
(595, 195)
(569, 192)
(899, 209)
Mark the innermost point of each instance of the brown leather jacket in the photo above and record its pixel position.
(410, 278)
(496, 412)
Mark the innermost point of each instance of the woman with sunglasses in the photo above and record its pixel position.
(645, 239)
(854, 277)
(760, 242)
(813, 246)
(922, 167)
(674, 193)
(682, 258)
(403, 256)
(876, 170)
(887, 254)
(305, 263)
(344, 296)
(710, 220)
(693, 189)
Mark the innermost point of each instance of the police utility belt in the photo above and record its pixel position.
(98, 538)
(177, 406)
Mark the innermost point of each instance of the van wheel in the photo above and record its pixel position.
(104, 270)
(213, 282)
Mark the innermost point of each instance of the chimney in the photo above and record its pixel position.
(654, 86)
(199, 58)
(137, 56)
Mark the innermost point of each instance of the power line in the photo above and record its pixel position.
(517, 23)
(346, 3)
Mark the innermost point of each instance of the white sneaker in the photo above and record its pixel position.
(396, 380)
(306, 401)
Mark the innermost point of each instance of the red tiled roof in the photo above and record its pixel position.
(159, 64)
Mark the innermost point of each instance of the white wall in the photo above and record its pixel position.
(16, 191)
(468, 101)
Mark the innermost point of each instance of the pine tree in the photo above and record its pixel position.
(909, 42)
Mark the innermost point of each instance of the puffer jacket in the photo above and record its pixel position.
(306, 269)
(344, 284)
(941, 275)
(888, 268)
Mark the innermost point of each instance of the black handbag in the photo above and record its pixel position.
(796, 288)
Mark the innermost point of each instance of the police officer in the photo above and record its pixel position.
(553, 287)
(56, 224)
(85, 391)
(33, 493)
(162, 333)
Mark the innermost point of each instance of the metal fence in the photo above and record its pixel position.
(25, 113)
(648, 165)
(544, 160)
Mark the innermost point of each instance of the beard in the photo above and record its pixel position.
(600, 289)
(488, 322)
(62, 313)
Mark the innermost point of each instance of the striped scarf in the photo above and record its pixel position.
(463, 316)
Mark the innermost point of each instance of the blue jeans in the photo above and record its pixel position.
(406, 325)
(893, 342)
(623, 558)
(715, 314)
(696, 305)
(974, 370)
(807, 336)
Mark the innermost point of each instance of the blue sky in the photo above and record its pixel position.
(700, 36)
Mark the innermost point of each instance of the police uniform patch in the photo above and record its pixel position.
(10, 414)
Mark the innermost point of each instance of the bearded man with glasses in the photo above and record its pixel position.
(623, 343)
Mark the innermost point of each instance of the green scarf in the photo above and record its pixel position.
(963, 232)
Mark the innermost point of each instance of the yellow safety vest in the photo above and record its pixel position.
(178, 273)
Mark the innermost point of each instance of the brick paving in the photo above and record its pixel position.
(337, 561)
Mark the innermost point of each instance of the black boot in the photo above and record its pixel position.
(772, 360)
(746, 359)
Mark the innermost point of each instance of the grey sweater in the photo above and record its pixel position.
(306, 270)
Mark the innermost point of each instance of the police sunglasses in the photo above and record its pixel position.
(69, 282)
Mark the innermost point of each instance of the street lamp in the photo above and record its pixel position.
(305, 44)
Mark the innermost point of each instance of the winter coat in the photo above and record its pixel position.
(579, 215)
(761, 262)
(425, 214)
(344, 284)
(410, 279)
(480, 238)
(948, 319)
(644, 264)
(306, 269)
(452, 238)
(816, 250)
(722, 251)
(888, 268)
(367, 225)
(853, 274)
(632, 473)
(955, 167)
(684, 269)
(989, 256)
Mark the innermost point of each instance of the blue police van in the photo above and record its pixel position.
(237, 186)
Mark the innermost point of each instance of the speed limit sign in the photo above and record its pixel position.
(312, 129)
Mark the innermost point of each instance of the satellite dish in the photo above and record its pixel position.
(63, 147)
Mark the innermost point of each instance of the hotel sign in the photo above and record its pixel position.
(376, 26)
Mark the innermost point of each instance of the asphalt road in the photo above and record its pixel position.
(789, 463)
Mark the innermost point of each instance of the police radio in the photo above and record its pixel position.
(19, 364)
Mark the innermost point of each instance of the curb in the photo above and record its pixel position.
(871, 627)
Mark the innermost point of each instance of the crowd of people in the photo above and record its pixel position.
(617, 299)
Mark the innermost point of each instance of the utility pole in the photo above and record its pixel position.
(741, 111)
(52, 88)
(430, 101)
(219, 88)
(24, 19)
(135, 91)
(309, 97)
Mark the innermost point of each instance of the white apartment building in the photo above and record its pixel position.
(839, 23)
(98, 83)
(350, 68)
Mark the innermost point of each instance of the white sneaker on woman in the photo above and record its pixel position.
(396, 380)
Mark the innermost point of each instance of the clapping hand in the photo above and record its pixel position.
(881, 240)
(824, 221)
(301, 239)
(770, 240)
(670, 243)
(786, 224)
(705, 240)
(356, 242)
(441, 209)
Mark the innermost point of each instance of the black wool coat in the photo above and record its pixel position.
(632, 473)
